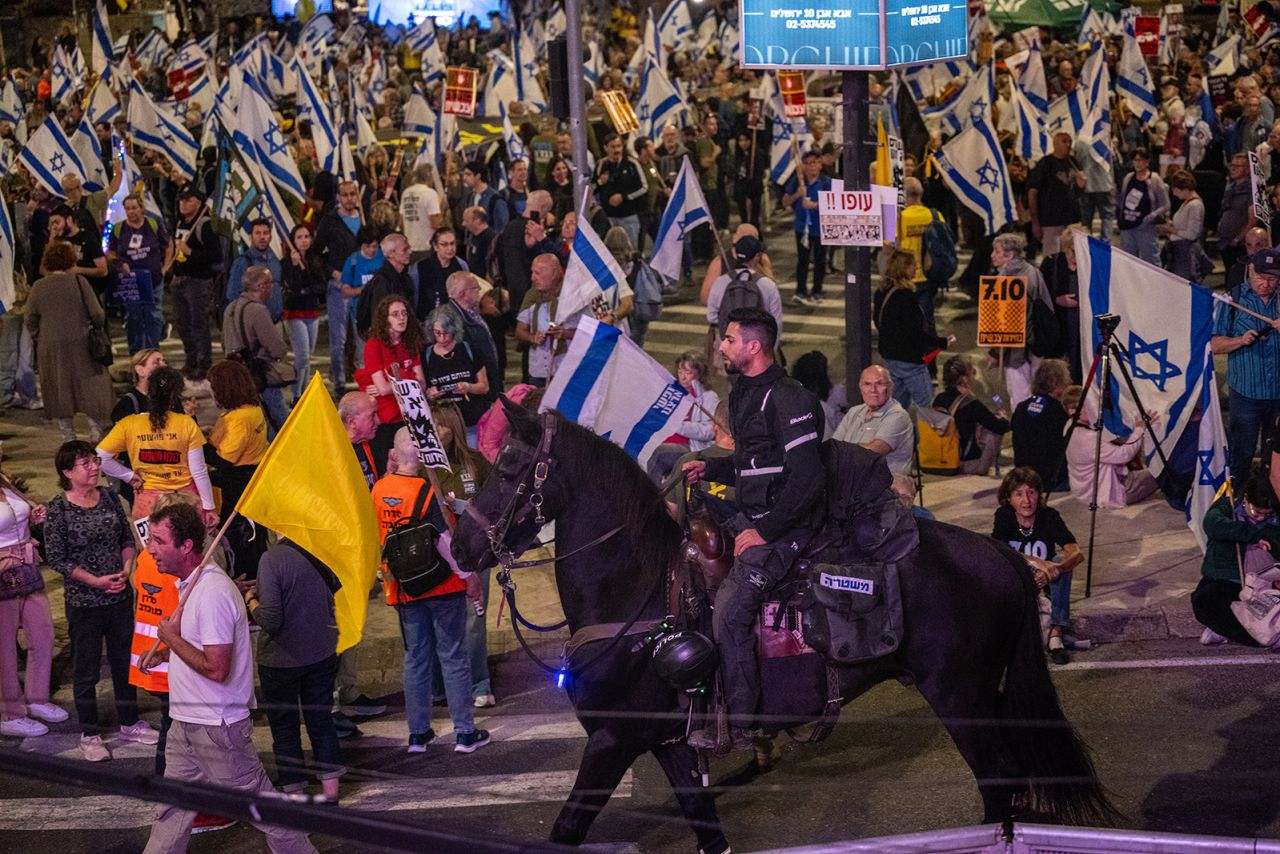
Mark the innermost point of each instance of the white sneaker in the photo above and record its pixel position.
(93, 750)
(47, 712)
(23, 728)
(140, 732)
(1211, 638)
(485, 701)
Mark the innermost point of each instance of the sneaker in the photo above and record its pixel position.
(345, 726)
(23, 728)
(470, 742)
(33, 404)
(141, 732)
(486, 701)
(1211, 638)
(418, 741)
(93, 750)
(799, 299)
(816, 299)
(209, 823)
(47, 712)
(364, 707)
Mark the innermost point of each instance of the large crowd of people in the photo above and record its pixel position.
(449, 268)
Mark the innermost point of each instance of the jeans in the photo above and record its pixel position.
(629, 224)
(806, 250)
(1104, 205)
(283, 690)
(1247, 418)
(1141, 241)
(911, 383)
(477, 642)
(1060, 601)
(191, 303)
(302, 335)
(88, 627)
(436, 628)
(17, 361)
(342, 322)
(144, 322)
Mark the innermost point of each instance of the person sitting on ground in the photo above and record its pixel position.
(980, 429)
(1036, 530)
(697, 430)
(1242, 537)
(1118, 485)
(810, 370)
(1038, 424)
(880, 423)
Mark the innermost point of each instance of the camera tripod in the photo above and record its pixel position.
(1108, 349)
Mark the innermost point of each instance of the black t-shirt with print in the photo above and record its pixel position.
(1047, 534)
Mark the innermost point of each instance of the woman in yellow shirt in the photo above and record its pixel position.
(236, 445)
(164, 445)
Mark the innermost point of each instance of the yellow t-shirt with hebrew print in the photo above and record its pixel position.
(159, 457)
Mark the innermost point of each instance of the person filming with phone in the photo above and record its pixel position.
(535, 324)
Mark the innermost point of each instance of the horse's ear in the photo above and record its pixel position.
(523, 422)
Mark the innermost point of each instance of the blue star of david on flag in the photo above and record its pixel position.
(274, 143)
(57, 162)
(988, 175)
(1158, 351)
(1207, 476)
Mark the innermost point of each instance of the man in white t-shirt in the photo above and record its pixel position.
(535, 323)
(420, 207)
(210, 682)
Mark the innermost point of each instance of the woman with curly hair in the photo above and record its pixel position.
(165, 446)
(393, 351)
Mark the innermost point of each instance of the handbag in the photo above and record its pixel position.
(410, 553)
(266, 373)
(20, 570)
(99, 341)
(1258, 610)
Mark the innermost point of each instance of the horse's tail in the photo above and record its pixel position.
(1049, 752)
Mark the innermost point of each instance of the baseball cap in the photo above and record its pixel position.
(191, 193)
(748, 247)
(1266, 262)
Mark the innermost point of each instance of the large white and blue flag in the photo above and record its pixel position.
(85, 143)
(102, 105)
(11, 108)
(515, 145)
(650, 47)
(258, 128)
(154, 50)
(62, 80)
(1033, 140)
(131, 181)
(314, 108)
(8, 257)
(419, 118)
(525, 50)
(101, 52)
(1164, 332)
(788, 138)
(1133, 81)
(160, 131)
(609, 385)
(1032, 80)
(191, 60)
(1224, 59)
(675, 25)
(973, 166)
(1212, 460)
(592, 272)
(557, 25)
(48, 156)
(660, 102)
(926, 81)
(423, 39)
(686, 210)
(972, 103)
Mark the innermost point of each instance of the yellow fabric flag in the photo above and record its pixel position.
(309, 488)
(884, 169)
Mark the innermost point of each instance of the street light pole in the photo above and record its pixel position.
(577, 101)
(857, 259)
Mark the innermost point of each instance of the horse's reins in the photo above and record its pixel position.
(539, 468)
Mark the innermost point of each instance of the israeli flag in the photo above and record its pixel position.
(8, 254)
(925, 81)
(686, 210)
(160, 132)
(1133, 81)
(423, 39)
(787, 138)
(1224, 60)
(1031, 78)
(191, 60)
(101, 52)
(515, 145)
(153, 51)
(592, 272)
(594, 67)
(1033, 141)
(63, 82)
(524, 49)
(270, 200)
(313, 107)
(1212, 460)
(675, 25)
(102, 105)
(1092, 26)
(558, 25)
(209, 44)
(660, 102)
(419, 118)
(257, 127)
(973, 102)
(48, 156)
(650, 47)
(11, 109)
(85, 143)
(974, 168)
(607, 384)
(131, 181)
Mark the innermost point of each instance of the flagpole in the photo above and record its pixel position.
(577, 99)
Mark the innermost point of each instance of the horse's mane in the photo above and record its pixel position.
(638, 506)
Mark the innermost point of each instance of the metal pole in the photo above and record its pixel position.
(577, 100)
(857, 259)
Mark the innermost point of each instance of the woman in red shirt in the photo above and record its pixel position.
(395, 339)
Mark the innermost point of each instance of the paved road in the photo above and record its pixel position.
(1183, 738)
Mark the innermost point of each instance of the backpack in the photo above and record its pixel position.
(647, 294)
(938, 251)
(410, 554)
(940, 451)
(1045, 334)
(743, 291)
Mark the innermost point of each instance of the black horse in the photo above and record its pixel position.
(972, 636)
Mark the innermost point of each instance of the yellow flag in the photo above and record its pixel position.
(884, 170)
(309, 488)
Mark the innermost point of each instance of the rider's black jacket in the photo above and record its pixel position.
(776, 465)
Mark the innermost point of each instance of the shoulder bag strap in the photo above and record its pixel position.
(420, 503)
(957, 403)
(81, 284)
(244, 338)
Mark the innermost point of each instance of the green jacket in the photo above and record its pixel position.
(1226, 533)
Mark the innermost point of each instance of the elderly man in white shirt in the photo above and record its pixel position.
(879, 423)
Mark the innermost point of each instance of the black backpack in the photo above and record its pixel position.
(938, 251)
(743, 291)
(410, 554)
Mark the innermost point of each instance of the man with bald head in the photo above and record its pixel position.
(879, 423)
(535, 322)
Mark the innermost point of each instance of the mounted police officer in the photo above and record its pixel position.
(777, 468)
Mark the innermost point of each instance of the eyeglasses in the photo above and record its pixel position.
(88, 463)
(397, 314)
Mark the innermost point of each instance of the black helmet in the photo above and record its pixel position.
(685, 659)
